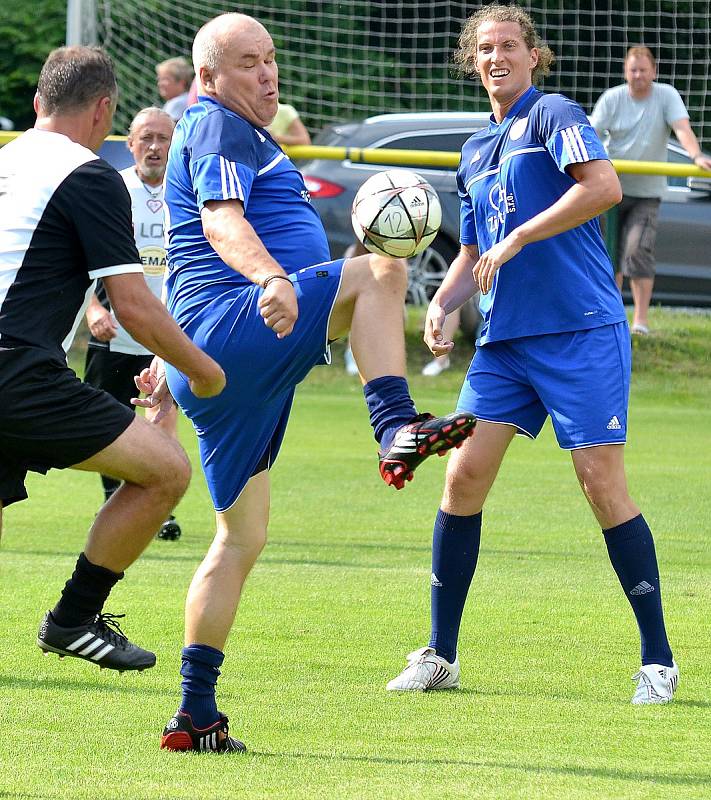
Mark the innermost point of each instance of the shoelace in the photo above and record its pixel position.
(110, 629)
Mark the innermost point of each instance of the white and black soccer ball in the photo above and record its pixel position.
(396, 213)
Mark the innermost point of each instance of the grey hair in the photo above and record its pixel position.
(73, 77)
(152, 111)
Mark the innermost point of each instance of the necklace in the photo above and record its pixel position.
(154, 202)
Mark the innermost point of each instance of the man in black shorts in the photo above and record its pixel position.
(65, 220)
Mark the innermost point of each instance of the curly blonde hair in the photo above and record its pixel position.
(465, 55)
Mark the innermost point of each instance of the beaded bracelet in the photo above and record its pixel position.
(271, 278)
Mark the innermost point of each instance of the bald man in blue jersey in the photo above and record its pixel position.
(555, 340)
(242, 241)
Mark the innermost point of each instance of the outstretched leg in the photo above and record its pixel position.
(370, 302)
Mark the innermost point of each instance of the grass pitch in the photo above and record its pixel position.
(339, 597)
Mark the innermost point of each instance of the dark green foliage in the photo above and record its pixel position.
(349, 60)
(28, 32)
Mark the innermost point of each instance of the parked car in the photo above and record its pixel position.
(683, 252)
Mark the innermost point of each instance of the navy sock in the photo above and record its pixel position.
(455, 550)
(631, 550)
(84, 594)
(200, 670)
(390, 406)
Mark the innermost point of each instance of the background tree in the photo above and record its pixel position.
(28, 32)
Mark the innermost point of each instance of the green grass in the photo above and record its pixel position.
(339, 597)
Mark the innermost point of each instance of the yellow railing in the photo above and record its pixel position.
(435, 158)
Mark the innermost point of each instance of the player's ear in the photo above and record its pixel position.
(207, 79)
(534, 57)
(103, 106)
(36, 103)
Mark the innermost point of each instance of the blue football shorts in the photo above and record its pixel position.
(581, 379)
(244, 426)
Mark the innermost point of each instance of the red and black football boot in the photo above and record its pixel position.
(421, 438)
(181, 735)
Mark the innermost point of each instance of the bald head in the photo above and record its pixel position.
(214, 38)
(235, 63)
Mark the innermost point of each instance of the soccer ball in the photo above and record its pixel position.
(396, 213)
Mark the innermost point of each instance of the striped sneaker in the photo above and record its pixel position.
(100, 642)
(180, 735)
(426, 671)
(421, 438)
(655, 684)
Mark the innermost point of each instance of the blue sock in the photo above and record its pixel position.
(455, 550)
(200, 670)
(390, 406)
(631, 550)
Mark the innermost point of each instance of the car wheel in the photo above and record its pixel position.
(426, 270)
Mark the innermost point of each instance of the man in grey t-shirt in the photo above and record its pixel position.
(635, 120)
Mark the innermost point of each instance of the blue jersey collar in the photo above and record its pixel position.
(513, 111)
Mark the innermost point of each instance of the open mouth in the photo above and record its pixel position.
(498, 73)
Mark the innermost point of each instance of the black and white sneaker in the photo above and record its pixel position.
(424, 436)
(170, 530)
(180, 735)
(101, 642)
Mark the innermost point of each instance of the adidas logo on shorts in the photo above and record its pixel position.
(614, 424)
(642, 588)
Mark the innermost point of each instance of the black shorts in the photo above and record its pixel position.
(49, 418)
(114, 372)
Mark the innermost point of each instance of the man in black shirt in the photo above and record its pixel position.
(65, 219)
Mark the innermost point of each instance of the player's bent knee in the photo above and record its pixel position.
(391, 272)
(145, 456)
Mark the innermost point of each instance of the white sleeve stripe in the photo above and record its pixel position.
(272, 163)
(117, 269)
(581, 143)
(570, 145)
(574, 144)
(233, 171)
(223, 177)
(232, 193)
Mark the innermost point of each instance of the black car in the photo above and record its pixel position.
(683, 252)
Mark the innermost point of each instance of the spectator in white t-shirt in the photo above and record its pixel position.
(635, 120)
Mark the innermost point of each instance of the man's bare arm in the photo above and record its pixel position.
(237, 244)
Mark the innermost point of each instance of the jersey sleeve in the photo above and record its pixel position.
(223, 159)
(674, 108)
(467, 220)
(567, 133)
(95, 199)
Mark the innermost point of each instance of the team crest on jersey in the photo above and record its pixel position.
(502, 204)
(517, 129)
(306, 195)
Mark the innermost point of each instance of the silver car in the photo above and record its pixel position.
(683, 240)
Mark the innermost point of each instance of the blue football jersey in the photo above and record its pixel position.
(509, 173)
(215, 154)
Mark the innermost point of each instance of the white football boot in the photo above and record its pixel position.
(436, 367)
(426, 671)
(655, 684)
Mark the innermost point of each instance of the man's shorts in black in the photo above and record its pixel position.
(48, 417)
